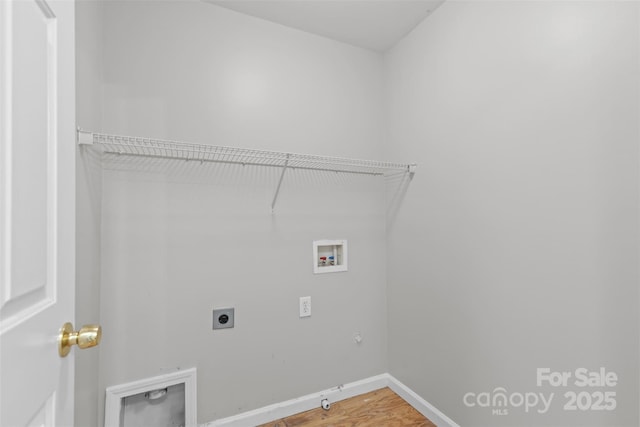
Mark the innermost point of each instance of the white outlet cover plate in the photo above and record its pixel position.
(305, 306)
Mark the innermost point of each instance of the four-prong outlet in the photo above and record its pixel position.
(223, 318)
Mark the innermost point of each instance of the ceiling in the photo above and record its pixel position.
(371, 24)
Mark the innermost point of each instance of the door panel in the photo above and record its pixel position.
(45, 415)
(37, 221)
(28, 264)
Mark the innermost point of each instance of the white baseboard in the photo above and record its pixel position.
(336, 394)
(421, 405)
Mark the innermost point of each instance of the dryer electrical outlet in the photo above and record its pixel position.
(223, 318)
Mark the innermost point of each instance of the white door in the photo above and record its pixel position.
(37, 210)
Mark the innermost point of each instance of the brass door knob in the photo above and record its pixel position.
(87, 336)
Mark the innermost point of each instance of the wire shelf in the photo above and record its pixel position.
(136, 146)
(147, 147)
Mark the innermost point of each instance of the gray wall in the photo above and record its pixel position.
(516, 244)
(88, 204)
(179, 239)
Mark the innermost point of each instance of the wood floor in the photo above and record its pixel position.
(379, 408)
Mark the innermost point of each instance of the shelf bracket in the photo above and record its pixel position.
(411, 168)
(84, 137)
(275, 196)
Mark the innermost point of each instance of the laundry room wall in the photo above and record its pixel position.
(182, 238)
(515, 248)
(88, 205)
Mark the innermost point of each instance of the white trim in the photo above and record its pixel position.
(311, 401)
(301, 404)
(421, 405)
(113, 399)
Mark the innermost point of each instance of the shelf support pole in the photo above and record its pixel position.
(275, 196)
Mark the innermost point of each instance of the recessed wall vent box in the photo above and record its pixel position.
(329, 256)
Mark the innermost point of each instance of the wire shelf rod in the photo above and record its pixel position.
(187, 151)
(138, 146)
